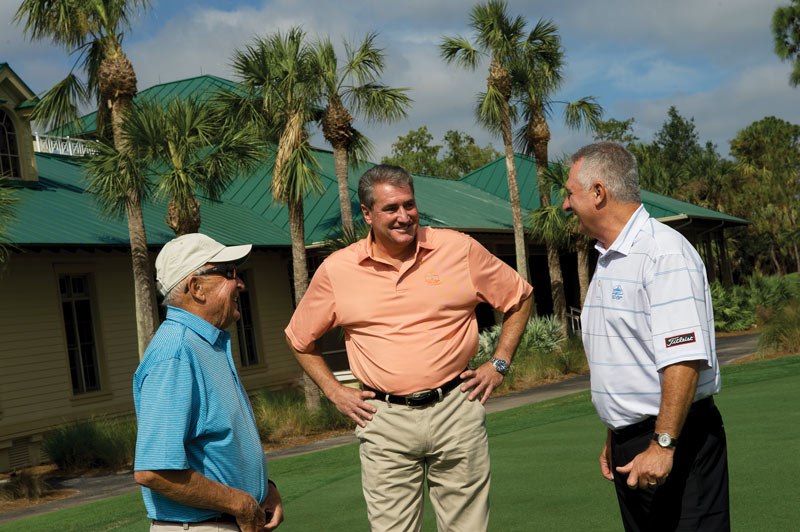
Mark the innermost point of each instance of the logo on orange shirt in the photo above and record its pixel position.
(432, 278)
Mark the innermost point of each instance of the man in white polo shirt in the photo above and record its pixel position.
(648, 330)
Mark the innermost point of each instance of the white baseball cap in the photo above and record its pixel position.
(183, 255)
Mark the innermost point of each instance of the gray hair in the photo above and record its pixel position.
(173, 297)
(377, 175)
(614, 166)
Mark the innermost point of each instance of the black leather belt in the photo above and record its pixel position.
(649, 424)
(222, 518)
(425, 397)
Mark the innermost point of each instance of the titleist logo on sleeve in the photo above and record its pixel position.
(672, 341)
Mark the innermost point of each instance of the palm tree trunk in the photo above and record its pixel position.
(539, 145)
(142, 276)
(513, 194)
(300, 275)
(583, 249)
(340, 160)
(144, 291)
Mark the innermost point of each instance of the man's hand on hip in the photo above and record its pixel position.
(482, 380)
(273, 506)
(352, 403)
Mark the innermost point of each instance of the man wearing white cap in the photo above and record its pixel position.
(199, 458)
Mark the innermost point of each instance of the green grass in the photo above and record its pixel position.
(545, 474)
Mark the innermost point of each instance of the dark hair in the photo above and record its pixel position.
(382, 173)
(614, 166)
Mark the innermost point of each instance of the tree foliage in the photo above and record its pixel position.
(461, 155)
(786, 35)
(613, 130)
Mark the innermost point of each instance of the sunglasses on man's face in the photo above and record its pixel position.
(227, 270)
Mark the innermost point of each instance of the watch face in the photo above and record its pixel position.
(664, 440)
(500, 365)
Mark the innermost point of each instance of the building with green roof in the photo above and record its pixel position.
(66, 295)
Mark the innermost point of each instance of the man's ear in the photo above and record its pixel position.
(366, 212)
(196, 288)
(599, 193)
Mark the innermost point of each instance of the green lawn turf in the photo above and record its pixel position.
(545, 474)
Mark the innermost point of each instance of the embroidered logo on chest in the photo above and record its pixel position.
(432, 278)
(616, 293)
(672, 341)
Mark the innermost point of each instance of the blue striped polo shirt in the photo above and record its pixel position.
(648, 306)
(193, 413)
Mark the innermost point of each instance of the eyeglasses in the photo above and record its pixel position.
(227, 270)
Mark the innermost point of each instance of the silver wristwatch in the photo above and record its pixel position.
(500, 365)
(665, 440)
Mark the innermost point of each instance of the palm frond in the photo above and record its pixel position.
(341, 237)
(58, 107)
(459, 50)
(359, 151)
(379, 103)
(113, 176)
(586, 113)
(366, 62)
(549, 225)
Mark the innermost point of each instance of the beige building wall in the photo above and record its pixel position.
(35, 386)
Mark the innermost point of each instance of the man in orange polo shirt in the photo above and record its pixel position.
(405, 297)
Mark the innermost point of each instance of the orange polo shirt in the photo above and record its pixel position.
(412, 329)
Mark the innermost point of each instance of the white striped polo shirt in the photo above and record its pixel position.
(648, 306)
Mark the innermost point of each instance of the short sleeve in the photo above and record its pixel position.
(675, 287)
(316, 313)
(495, 281)
(164, 416)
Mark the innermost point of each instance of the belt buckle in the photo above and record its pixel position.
(418, 398)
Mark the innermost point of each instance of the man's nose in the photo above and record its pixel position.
(565, 206)
(402, 215)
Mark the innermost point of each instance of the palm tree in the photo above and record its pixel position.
(94, 28)
(535, 83)
(502, 40)
(786, 34)
(281, 88)
(355, 87)
(185, 147)
(555, 178)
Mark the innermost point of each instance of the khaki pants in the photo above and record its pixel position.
(445, 440)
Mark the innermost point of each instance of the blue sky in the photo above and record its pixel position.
(712, 59)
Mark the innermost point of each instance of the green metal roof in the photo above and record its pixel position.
(201, 85)
(59, 211)
(492, 178)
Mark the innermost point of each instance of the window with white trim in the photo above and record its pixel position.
(9, 149)
(76, 305)
(245, 326)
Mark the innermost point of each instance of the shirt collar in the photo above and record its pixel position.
(424, 240)
(194, 322)
(626, 237)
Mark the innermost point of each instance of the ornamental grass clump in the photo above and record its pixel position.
(781, 334)
(283, 414)
(23, 485)
(96, 443)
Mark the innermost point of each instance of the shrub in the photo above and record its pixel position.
(781, 334)
(542, 354)
(738, 308)
(23, 485)
(92, 443)
(283, 414)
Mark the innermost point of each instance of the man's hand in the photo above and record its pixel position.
(650, 468)
(605, 459)
(273, 507)
(482, 380)
(352, 403)
(250, 516)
